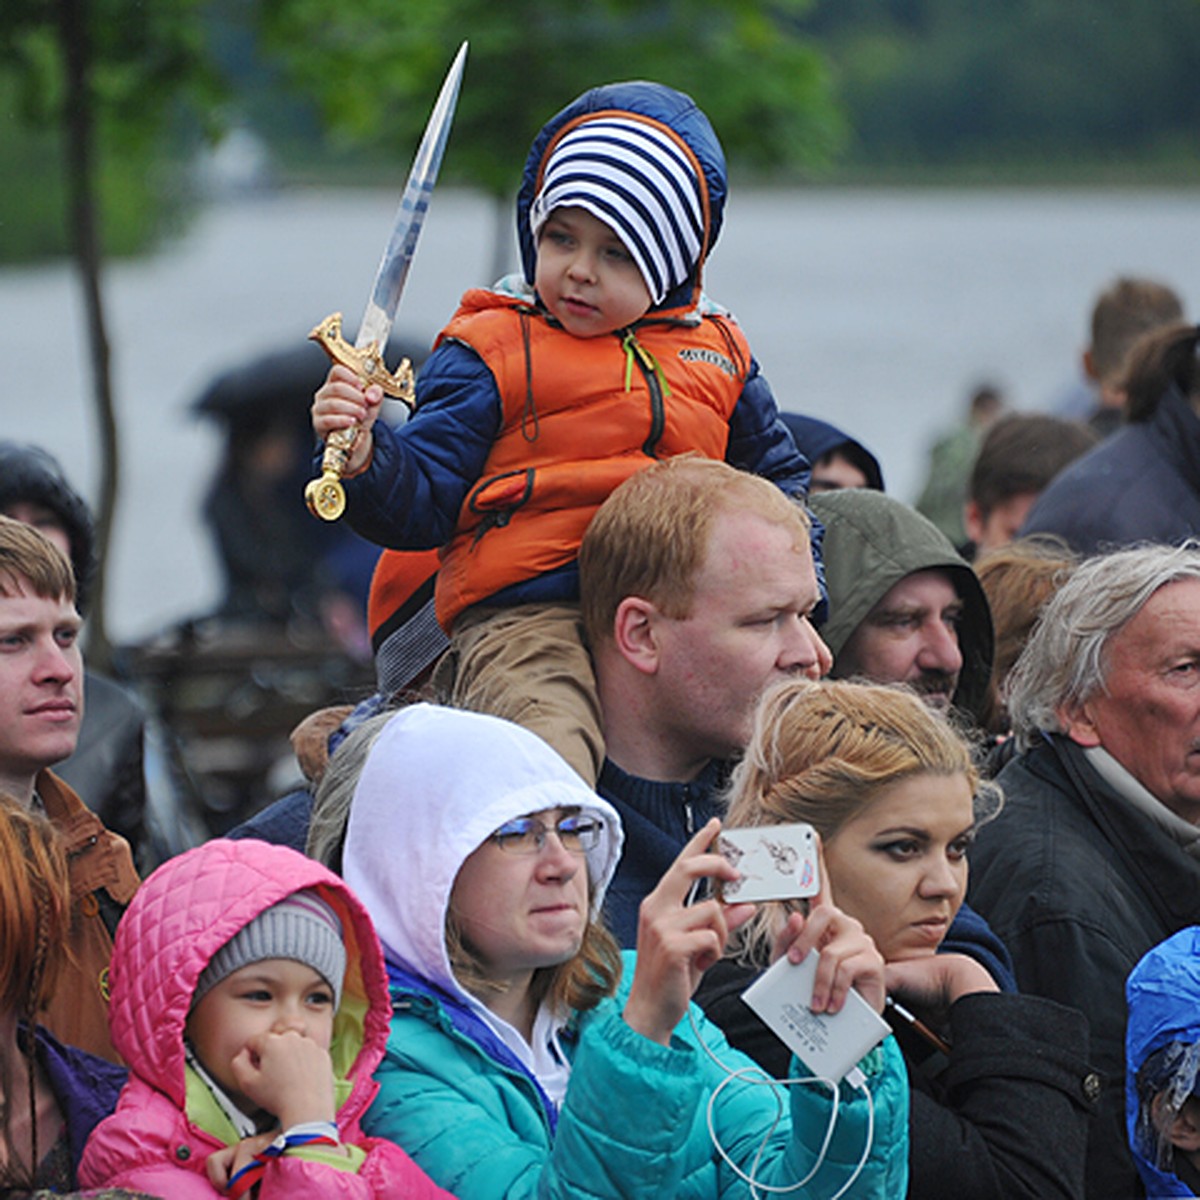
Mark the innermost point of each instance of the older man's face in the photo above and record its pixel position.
(1148, 717)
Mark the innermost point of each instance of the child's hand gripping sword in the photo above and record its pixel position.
(325, 496)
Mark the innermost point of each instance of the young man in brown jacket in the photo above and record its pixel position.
(41, 707)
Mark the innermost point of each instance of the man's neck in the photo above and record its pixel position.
(643, 762)
(634, 737)
(635, 744)
(19, 787)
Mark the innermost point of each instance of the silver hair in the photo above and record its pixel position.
(1065, 661)
(335, 792)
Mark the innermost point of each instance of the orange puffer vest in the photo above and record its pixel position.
(580, 416)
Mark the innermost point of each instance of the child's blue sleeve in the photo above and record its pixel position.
(760, 442)
(410, 495)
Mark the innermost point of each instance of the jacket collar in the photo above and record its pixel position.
(1169, 879)
(468, 1023)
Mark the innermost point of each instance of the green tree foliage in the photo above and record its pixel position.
(375, 66)
(142, 59)
(944, 81)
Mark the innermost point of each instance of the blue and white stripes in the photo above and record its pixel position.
(639, 181)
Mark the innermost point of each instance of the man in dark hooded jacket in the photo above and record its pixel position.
(837, 459)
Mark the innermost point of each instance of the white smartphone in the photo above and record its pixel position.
(775, 862)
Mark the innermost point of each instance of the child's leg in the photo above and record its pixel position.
(528, 665)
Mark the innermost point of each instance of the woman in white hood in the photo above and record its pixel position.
(520, 1063)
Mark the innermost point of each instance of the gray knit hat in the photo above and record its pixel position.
(640, 182)
(303, 927)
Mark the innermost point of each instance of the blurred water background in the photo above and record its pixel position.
(876, 309)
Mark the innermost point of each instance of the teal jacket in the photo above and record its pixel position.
(621, 1116)
(634, 1122)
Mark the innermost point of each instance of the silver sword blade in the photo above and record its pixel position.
(380, 312)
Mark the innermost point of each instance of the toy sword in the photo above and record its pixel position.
(325, 496)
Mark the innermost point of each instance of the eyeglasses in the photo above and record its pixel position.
(527, 835)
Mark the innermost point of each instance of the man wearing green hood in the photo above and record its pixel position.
(904, 605)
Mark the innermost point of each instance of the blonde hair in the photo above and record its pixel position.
(649, 538)
(822, 753)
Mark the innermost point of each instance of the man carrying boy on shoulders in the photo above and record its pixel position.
(544, 393)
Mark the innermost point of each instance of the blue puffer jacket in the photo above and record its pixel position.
(634, 1123)
(1163, 994)
(412, 493)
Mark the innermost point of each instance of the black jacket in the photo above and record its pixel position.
(1003, 1117)
(1140, 484)
(1080, 884)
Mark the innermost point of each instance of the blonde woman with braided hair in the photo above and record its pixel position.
(50, 1095)
(998, 1081)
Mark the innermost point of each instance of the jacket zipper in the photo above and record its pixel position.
(652, 373)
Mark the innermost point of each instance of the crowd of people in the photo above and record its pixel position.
(494, 948)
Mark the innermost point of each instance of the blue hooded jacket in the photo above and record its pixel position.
(1163, 995)
(815, 438)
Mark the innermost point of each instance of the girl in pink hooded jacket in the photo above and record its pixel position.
(250, 1001)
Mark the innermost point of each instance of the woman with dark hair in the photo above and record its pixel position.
(520, 1064)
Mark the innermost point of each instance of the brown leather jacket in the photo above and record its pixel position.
(103, 880)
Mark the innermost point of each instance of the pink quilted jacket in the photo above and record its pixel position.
(179, 918)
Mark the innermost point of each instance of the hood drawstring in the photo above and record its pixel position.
(634, 349)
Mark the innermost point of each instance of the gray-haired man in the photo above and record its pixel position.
(1096, 856)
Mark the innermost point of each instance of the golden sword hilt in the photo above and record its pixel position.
(325, 496)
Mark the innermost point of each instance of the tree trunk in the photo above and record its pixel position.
(79, 124)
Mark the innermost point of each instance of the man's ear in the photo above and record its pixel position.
(635, 633)
(1077, 723)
